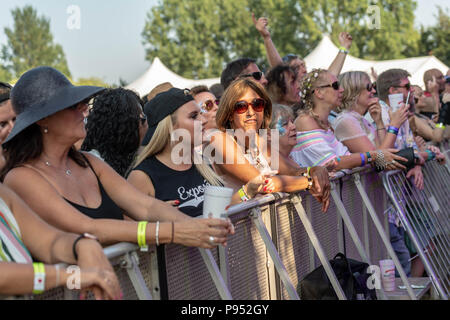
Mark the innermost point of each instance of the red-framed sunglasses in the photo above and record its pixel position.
(257, 104)
(208, 105)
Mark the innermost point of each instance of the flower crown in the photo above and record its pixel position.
(308, 81)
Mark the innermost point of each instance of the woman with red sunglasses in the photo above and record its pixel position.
(316, 142)
(240, 153)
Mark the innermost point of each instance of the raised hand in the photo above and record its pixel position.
(261, 25)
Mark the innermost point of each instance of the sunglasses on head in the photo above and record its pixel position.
(255, 75)
(335, 85)
(5, 85)
(257, 104)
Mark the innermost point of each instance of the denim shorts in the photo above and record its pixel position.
(397, 235)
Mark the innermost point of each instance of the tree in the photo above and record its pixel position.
(30, 44)
(5, 75)
(435, 40)
(93, 81)
(197, 38)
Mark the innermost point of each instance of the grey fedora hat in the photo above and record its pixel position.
(41, 92)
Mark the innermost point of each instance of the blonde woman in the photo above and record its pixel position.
(316, 143)
(351, 128)
(161, 170)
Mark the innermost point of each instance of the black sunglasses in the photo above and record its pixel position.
(335, 85)
(5, 85)
(406, 86)
(257, 104)
(371, 86)
(256, 75)
(143, 118)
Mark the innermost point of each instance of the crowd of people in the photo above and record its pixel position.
(84, 167)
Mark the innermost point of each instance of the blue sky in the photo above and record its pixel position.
(108, 44)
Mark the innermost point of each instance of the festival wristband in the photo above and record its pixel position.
(440, 126)
(343, 50)
(393, 130)
(369, 157)
(142, 242)
(431, 154)
(39, 278)
(363, 159)
(243, 195)
(308, 170)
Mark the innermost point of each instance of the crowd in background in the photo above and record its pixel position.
(85, 167)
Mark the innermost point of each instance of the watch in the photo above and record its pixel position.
(82, 236)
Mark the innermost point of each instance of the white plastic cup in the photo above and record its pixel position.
(395, 100)
(216, 201)
(387, 274)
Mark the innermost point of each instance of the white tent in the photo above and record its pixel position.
(326, 51)
(159, 73)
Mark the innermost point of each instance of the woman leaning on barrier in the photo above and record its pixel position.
(162, 172)
(25, 238)
(316, 141)
(76, 191)
(239, 153)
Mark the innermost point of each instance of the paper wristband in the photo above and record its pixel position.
(243, 195)
(142, 242)
(39, 278)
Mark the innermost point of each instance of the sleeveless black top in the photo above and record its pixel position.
(187, 186)
(107, 209)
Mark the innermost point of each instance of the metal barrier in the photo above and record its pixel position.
(424, 214)
(278, 241)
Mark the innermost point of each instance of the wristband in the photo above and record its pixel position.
(431, 154)
(157, 233)
(243, 195)
(393, 130)
(39, 278)
(141, 239)
(343, 50)
(308, 174)
(440, 126)
(369, 157)
(363, 159)
(82, 236)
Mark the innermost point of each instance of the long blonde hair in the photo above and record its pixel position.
(353, 84)
(161, 138)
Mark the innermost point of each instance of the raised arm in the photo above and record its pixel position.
(272, 54)
(345, 40)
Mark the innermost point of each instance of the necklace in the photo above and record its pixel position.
(67, 171)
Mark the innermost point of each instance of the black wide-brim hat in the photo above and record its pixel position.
(41, 92)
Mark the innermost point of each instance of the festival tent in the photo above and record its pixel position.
(159, 73)
(326, 51)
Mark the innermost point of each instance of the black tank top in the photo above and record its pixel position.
(107, 209)
(186, 186)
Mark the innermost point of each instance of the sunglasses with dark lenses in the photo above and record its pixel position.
(255, 75)
(257, 104)
(371, 86)
(5, 85)
(208, 105)
(406, 86)
(143, 118)
(335, 85)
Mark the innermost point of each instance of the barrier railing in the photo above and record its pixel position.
(278, 241)
(424, 214)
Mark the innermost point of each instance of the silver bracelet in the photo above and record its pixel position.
(380, 162)
(157, 233)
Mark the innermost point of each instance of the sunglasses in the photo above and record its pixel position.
(256, 75)
(257, 104)
(371, 86)
(335, 85)
(5, 85)
(208, 105)
(143, 118)
(406, 86)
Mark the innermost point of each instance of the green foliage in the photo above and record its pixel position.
(93, 81)
(30, 44)
(197, 38)
(435, 40)
(5, 75)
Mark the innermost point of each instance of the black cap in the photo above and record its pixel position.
(164, 104)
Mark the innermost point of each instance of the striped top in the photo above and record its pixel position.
(316, 148)
(12, 248)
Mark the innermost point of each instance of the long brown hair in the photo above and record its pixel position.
(234, 92)
(27, 146)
